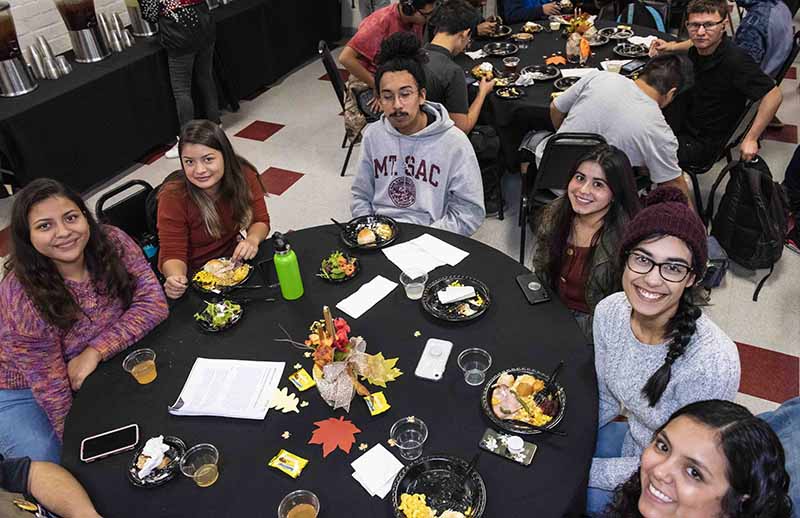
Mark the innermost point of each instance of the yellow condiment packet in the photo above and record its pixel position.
(377, 403)
(289, 463)
(302, 380)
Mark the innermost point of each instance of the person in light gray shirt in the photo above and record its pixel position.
(367, 7)
(655, 351)
(627, 114)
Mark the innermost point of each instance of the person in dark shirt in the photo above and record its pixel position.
(516, 11)
(50, 484)
(454, 21)
(726, 77)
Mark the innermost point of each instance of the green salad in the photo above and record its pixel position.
(219, 314)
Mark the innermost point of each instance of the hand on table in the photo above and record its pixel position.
(658, 47)
(486, 28)
(748, 149)
(175, 286)
(486, 86)
(79, 368)
(245, 250)
(551, 9)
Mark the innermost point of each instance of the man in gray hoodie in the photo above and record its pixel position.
(415, 166)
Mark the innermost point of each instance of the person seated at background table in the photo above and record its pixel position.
(655, 350)
(765, 33)
(518, 11)
(627, 114)
(415, 165)
(454, 21)
(579, 233)
(358, 56)
(711, 458)
(485, 27)
(202, 214)
(76, 294)
(53, 487)
(725, 77)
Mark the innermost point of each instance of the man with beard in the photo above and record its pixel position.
(415, 166)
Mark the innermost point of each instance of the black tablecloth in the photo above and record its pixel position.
(515, 333)
(93, 123)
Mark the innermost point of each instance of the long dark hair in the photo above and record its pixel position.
(38, 274)
(756, 472)
(233, 186)
(624, 204)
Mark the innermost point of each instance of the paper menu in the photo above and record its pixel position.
(228, 388)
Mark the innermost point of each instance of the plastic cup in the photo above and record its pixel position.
(299, 504)
(511, 63)
(555, 26)
(613, 67)
(414, 283)
(199, 463)
(474, 362)
(142, 365)
(409, 435)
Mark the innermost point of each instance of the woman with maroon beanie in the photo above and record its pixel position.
(655, 350)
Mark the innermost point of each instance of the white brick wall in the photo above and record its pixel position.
(40, 18)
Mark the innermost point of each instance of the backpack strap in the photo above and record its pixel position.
(710, 208)
(657, 18)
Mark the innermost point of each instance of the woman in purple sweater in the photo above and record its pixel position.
(76, 293)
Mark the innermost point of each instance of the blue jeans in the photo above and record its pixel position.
(25, 430)
(609, 445)
(785, 421)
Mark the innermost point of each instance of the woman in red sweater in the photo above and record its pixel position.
(216, 209)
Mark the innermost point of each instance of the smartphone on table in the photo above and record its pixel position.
(109, 443)
(532, 288)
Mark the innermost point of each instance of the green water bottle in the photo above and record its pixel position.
(287, 268)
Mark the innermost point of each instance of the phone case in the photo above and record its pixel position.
(495, 442)
(433, 360)
(532, 288)
(112, 452)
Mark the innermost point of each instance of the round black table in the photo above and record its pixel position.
(514, 332)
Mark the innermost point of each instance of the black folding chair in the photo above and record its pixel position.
(789, 60)
(734, 139)
(561, 153)
(129, 213)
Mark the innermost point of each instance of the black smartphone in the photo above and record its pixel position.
(632, 66)
(109, 443)
(533, 288)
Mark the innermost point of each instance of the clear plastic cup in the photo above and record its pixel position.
(409, 435)
(141, 364)
(474, 362)
(200, 464)
(299, 504)
(414, 283)
(511, 63)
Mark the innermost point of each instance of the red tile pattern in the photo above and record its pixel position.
(260, 130)
(768, 374)
(788, 134)
(154, 154)
(5, 237)
(791, 73)
(277, 181)
(344, 74)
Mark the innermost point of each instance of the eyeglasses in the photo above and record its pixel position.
(405, 96)
(670, 272)
(426, 14)
(695, 26)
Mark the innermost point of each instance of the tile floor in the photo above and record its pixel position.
(292, 133)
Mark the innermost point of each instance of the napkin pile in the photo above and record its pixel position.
(642, 40)
(476, 54)
(376, 470)
(424, 253)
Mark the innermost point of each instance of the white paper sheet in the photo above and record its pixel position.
(424, 253)
(228, 388)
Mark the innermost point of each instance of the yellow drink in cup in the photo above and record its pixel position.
(200, 464)
(206, 475)
(142, 365)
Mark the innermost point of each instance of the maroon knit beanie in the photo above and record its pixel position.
(667, 212)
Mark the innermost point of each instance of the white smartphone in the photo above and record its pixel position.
(108, 443)
(433, 361)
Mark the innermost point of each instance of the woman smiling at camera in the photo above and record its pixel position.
(202, 214)
(577, 241)
(711, 459)
(655, 351)
(76, 294)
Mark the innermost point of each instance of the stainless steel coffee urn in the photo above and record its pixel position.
(81, 21)
(141, 27)
(15, 76)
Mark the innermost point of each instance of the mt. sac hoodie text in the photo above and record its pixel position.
(429, 178)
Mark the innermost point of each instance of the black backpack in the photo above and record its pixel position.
(751, 221)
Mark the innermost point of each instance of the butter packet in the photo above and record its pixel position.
(625, 27)
(377, 403)
(302, 380)
(289, 463)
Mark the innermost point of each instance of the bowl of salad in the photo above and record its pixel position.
(339, 267)
(218, 316)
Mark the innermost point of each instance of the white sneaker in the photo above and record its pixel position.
(172, 152)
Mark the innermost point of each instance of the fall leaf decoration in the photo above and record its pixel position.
(332, 433)
(283, 401)
(380, 370)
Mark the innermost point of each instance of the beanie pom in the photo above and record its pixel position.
(665, 194)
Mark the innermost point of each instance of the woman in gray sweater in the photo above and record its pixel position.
(655, 351)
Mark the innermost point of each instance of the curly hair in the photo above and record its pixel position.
(756, 472)
(401, 52)
(38, 274)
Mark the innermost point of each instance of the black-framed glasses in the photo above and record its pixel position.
(695, 26)
(670, 272)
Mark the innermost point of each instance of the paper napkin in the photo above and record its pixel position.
(424, 253)
(376, 470)
(577, 72)
(367, 296)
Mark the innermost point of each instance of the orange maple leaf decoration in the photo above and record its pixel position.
(333, 432)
